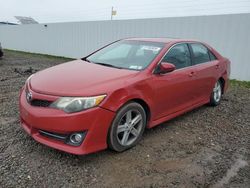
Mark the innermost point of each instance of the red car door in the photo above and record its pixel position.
(174, 91)
(206, 69)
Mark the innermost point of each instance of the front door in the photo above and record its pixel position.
(174, 91)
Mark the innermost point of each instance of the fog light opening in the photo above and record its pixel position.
(76, 138)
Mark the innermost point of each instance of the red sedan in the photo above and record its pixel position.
(108, 98)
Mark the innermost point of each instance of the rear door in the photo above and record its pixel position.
(207, 71)
(174, 91)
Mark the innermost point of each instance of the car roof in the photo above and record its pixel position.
(162, 40)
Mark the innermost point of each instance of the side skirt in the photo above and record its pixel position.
(173, 115)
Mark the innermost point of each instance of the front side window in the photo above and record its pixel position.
(200, 53)
(136, 55)
(178, 55)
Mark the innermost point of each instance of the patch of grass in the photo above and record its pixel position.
(29, 54)
(237, 83)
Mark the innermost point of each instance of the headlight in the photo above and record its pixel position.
(77, 104)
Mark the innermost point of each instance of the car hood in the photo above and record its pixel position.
(79, 78)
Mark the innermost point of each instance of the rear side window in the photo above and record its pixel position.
(178, 55)
(212, 56)
(200, 52)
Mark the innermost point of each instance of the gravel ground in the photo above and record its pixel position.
(208, 147)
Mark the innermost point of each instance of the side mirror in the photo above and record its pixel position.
(165, 67)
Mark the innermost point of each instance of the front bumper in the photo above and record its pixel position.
(95, 122)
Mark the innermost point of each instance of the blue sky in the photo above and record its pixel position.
(45, 11)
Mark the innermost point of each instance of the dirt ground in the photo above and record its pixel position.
(208, 147)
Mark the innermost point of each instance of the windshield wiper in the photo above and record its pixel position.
(108, 65)
(104, 64)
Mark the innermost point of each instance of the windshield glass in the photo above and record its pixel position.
(136, 55)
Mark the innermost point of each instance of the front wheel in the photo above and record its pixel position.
(127, 127)
(216, 95)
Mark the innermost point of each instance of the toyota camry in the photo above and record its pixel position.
(108, 98)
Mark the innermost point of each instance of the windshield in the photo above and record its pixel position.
(136, 55)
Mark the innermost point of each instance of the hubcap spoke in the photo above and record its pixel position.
(121, 128)
(128, 116)
(136, 120)
(125, 137)
(135, 132)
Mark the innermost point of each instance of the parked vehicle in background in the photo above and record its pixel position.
(1, 50)
(108, 98)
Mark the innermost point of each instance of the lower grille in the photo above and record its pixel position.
(57, 136)
(40, 103)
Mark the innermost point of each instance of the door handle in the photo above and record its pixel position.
(217, 66)
(191, 74)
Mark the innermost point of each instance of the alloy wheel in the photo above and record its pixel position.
(129, 127)
(217, 91)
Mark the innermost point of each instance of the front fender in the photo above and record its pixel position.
(121, 96)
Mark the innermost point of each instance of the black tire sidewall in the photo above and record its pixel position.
(113, 143)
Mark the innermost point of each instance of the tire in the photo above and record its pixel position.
(1, 53)
(216, 95)
(127, 127)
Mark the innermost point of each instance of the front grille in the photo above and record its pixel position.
(40, 103)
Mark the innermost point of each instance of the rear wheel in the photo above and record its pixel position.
(216, 95)
(127, 127)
